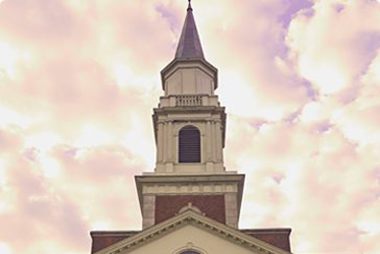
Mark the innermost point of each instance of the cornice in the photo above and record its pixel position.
(225, 178)
(165, 178)
(189, 109)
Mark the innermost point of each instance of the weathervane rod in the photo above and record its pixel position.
(189, 7)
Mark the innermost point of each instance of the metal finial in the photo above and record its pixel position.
(189, 7)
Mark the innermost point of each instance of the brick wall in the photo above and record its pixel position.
(212, 206)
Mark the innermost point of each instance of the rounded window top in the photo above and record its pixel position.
(189, 127)
(189, 252)
(190, 249)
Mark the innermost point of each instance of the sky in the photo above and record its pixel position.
(300, 81)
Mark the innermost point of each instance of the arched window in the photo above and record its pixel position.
(189, 145)
(189, 252)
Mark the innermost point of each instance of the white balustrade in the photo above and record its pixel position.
(188, 100)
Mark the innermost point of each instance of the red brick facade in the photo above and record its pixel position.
(212, 206)
(103, 239)
(278, 237)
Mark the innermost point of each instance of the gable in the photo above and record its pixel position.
(190, 235)
(278, 237)
(191, 227)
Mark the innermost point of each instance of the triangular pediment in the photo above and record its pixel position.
(194, 219)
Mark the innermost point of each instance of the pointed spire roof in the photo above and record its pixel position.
(189, 46)
(189, 50)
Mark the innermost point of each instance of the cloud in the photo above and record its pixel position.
(333, 46)
(63, 207)
(299, 80)
(307, 177)
(255, 71)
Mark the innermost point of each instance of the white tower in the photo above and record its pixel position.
(189, 128)
(189, 122)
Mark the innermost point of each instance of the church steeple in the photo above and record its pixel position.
(189, 46)
(189, 129)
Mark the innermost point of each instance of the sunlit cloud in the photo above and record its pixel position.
(328, 77)
(43, 141)
(331, 57)
(91, 135)
(50, 167)
(100, 225)
(12, 117)
(3, 170)
(121, 73)
(4, 248)
(11, 56)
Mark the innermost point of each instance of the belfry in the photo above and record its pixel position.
(190, 204)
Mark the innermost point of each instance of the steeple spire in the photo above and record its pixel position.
(189, 7)
(189, 46)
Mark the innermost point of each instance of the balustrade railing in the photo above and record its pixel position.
(188, 100)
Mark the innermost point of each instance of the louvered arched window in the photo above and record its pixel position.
(189, 145)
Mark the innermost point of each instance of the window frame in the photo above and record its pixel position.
(182, 151)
